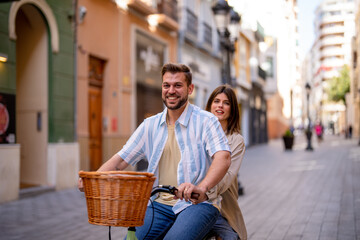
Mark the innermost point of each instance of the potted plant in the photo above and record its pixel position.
(288, 138)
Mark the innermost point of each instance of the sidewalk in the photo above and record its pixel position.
(288, 195)
(301, 194)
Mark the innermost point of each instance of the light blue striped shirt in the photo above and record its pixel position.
(199, 135)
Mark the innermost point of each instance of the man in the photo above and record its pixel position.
(185, 147)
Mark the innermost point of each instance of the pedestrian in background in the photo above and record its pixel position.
(185, 147)
(319, 130)
(350, 131)
(223, 104)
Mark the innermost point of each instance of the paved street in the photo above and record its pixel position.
(288, 195)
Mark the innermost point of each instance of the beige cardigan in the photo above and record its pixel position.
(228, 187)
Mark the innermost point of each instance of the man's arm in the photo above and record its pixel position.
(114, 163)
(237, 155)
(218, 168)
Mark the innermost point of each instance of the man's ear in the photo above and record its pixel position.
(191, 88)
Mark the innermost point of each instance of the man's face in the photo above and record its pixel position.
(175, 91)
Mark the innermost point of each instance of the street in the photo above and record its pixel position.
(288, 195)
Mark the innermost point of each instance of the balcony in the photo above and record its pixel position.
(207, 34)
(166, 15)
(332, 41)
(332, 30)
(259, 33)
(257, 75)
(261, 73)
(145, 7)
(334, 62)
(169, 8)
(331, 19)
(191, 27)
(330, 52)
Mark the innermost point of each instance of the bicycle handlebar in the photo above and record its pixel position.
(171, 190)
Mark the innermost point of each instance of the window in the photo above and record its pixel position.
(269, 66)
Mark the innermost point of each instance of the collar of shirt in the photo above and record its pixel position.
(184, 117)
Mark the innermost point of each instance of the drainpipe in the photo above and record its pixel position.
(75, 6)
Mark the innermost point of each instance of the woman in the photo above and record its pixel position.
(223, 104)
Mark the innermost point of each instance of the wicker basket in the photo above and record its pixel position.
(117, 198)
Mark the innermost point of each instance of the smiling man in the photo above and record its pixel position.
(185, 147)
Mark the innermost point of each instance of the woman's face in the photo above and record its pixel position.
(220, 107)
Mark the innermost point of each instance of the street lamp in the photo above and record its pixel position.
(234, 26)
(221, 11)
(308, 132)
(227, 23)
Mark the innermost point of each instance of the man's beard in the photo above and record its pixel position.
(177, 106)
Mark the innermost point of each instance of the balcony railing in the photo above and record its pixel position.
(261, 73)
(331, 19)
(169, 8)
(207, 34)
(332, 41)
(334, 51)
(332, 30)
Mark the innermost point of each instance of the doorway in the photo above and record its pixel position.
(96, 72)
(32, 95)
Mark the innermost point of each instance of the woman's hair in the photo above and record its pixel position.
(234, 117)
(175, 68)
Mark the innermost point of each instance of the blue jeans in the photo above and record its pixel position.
(223, 229)
(194, 222)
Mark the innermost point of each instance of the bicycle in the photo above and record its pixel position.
(120, 198)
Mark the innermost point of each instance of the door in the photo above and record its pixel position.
(96, 70)
(95, 128)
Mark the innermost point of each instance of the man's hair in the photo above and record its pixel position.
(234, 118)
(175, 68)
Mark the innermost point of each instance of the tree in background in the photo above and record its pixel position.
(338, 88)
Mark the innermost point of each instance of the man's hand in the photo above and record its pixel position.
(186, 189)
(80, 185)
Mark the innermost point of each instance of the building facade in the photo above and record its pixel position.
(334, 30)
(242, 74)
(198, 47)
(354, 96)
(278, 56)
(119, 65)
(289, 84)
(38, 144)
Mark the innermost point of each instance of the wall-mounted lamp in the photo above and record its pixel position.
(3, 57)
(121, 4)
(153, 21)
(82, 13)
(253, 61)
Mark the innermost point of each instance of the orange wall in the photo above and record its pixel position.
(107, 32)
(98, 35)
